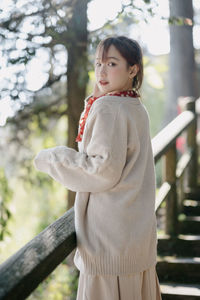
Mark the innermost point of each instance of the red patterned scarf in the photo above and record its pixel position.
(91, 100)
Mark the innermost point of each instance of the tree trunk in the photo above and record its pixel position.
(77, 75)
(182, 71)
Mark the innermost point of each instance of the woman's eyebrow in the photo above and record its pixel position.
(110, 57)
(113, 57)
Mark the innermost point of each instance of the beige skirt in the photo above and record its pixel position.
(140, 286)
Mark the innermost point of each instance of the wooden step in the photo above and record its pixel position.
(183, 270)
(172, 291)
(191, 207)
(183, 245)
(191, 225)
(192, 194)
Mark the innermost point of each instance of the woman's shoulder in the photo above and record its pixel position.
(105, 104)
(115, 104)
(115, 101)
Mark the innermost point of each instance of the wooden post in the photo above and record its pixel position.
(188, 103)
(192, 145)
(169, 175)
(180, 194)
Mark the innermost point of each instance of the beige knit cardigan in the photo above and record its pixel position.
(113, 174)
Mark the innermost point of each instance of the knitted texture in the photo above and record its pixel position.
(114, 176)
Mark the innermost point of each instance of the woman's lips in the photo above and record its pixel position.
(103, 82)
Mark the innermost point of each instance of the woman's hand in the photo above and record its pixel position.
(96, 91)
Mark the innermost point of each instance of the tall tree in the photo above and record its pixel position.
(54, 26)
(182, 69)
(77, 75)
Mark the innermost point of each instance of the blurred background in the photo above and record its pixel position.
(46, 70)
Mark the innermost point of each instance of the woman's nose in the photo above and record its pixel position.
(103, 69)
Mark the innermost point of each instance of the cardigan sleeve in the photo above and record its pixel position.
(100, 167)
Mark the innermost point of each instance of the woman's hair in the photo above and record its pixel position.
(130, 50)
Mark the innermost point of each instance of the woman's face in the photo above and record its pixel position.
(113, 74)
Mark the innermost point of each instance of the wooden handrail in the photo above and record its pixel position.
(27, 268)
(174, 186)
(167, 136)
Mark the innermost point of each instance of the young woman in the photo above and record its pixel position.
(114, 176)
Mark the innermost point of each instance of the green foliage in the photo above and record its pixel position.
(55, 287)
(180, 21)
(5, 198)
(73, 277)
(51, 195)
(61, 284)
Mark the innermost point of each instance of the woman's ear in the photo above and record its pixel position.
(133, 70)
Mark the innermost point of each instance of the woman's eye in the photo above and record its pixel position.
(98, 64)
(112, 64)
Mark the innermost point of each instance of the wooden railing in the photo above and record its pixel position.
(179, 175)
(27, 268)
